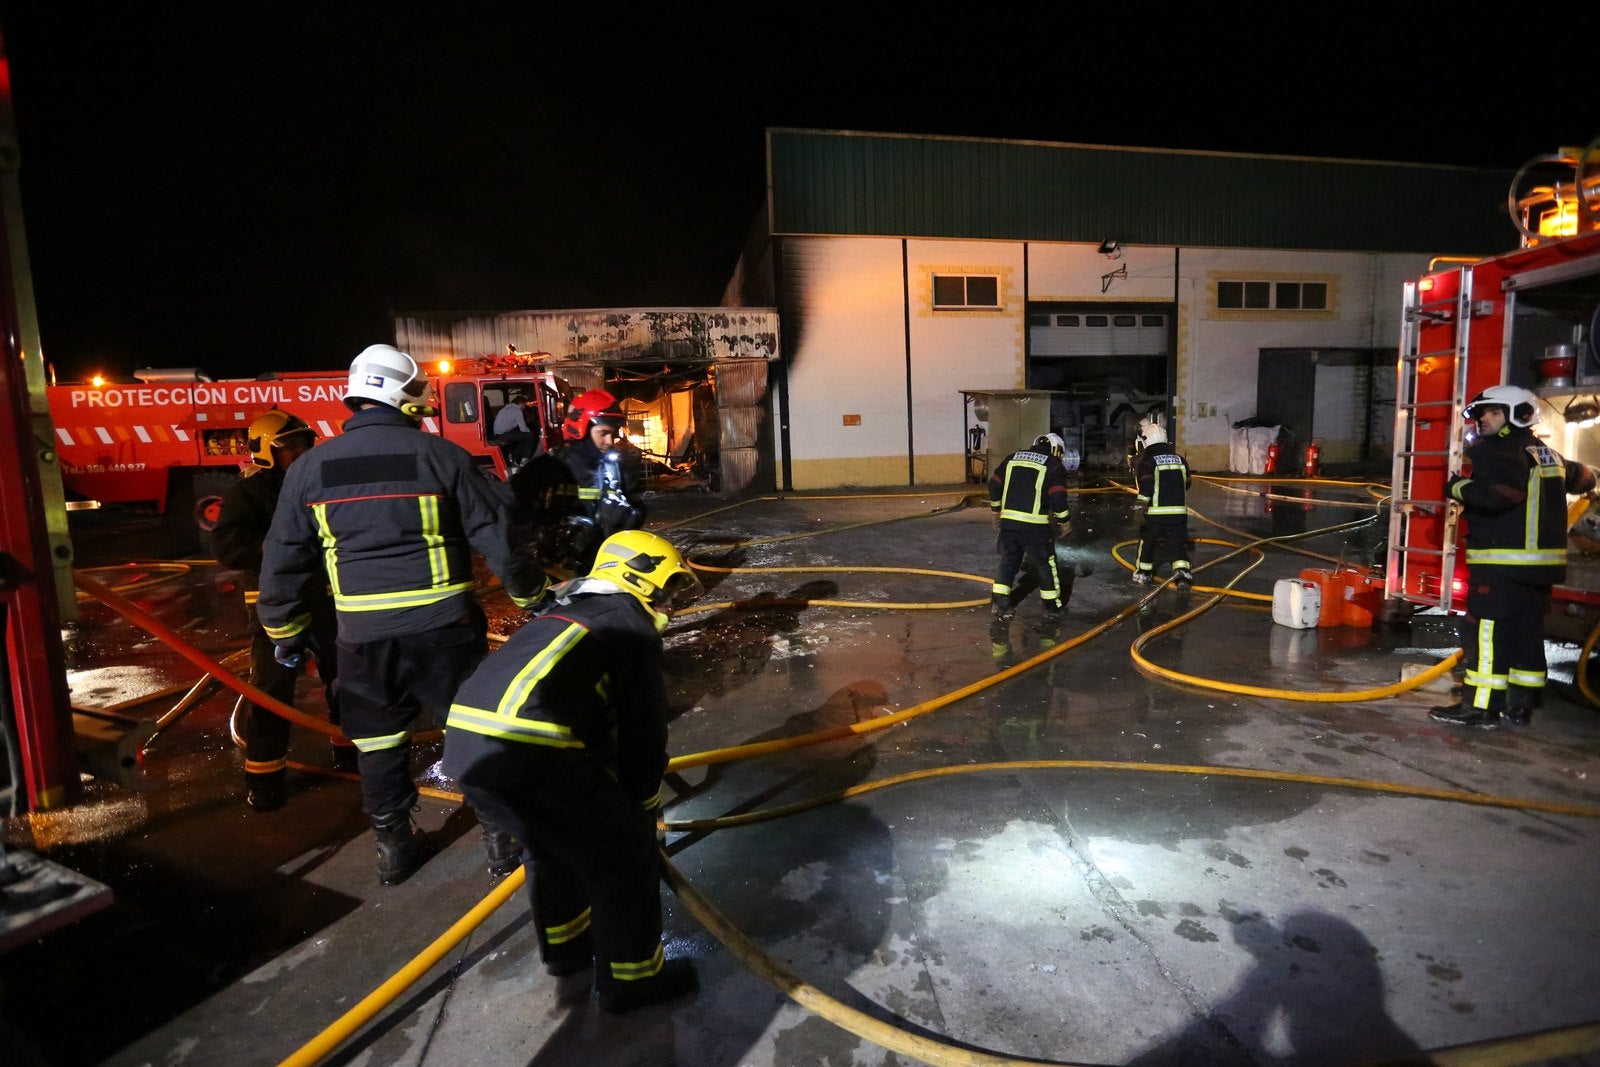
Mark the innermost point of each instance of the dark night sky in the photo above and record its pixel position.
(245, 186)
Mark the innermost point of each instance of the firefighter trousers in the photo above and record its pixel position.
(266, 733)
(1163, 540)
(385, 684)
(1502, 636)
(1037, 549)
(593, 865)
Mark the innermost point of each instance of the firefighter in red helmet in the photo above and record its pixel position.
(610, 484)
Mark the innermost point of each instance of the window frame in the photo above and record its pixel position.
(966, 291)
(1271, 294)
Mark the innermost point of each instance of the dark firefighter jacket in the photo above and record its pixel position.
(623, 507)
(242, 525)
(584, 677)
(1028, 490)
(1516, 504)
(395, 513)
(1163, 483)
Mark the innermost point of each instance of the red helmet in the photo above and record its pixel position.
(596, 404)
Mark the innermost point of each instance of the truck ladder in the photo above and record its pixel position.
(1409, 563)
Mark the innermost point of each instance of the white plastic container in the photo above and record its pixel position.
(1071, 460)
(1296, 603)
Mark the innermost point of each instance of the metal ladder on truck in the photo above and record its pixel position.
(1422, 523)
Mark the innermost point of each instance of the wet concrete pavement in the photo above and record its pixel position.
(1056, 879)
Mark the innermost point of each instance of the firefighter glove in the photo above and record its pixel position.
(1063, 531)
(1453, 485)
(290, 652)
(994, 518)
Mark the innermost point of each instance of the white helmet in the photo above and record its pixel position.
(1522, 407)
(387, 375)
(1051, 443)
(1151, 431)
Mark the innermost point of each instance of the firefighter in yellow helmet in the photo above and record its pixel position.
(560, 737)
(276, 440)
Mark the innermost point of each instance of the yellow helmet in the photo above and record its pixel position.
(270, 430)
(647, 566)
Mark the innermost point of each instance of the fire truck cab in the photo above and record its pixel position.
(176, 439)
(1529, 317)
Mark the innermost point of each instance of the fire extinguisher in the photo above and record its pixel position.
(1313, 460)
(1272, 459)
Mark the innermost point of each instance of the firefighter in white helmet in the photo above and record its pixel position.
(397, 514)
(277, 439)
(1029, 507)
(569, 757)
(1514, 501)
(1163, 477)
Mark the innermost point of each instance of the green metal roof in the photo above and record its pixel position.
(838, 182)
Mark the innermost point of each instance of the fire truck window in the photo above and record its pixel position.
(461, 402)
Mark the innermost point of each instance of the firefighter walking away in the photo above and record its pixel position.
(1028, 505)
(397, 513)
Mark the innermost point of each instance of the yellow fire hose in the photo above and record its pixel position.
(884, 1034)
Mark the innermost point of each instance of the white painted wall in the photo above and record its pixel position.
(849, 355)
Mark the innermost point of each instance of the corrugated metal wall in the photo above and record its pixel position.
(594, 335)
(828, 182)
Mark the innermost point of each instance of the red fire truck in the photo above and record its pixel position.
(176, 439)
(1530, 317)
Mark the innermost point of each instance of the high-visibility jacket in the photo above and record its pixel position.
(1163, 483)
(584, 677)
(1515, 502)
(394, 515)
(1028, 490)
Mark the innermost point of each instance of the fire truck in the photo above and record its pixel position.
(176, 439)
(1529, 317)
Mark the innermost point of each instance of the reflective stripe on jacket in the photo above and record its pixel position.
(1164, 482)
(1516, 504)
(585, 678)
(1029, 489)
(394, 514)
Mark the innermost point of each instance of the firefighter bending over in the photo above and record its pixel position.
(276, 440)
(1028, 503)
(396, 513)
(561, 738)
(1514, 500)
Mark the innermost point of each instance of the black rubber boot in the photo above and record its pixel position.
(503, 851)
(571, 957)
(1521, 703)
(1466, 715)
(676, 978)
(401, 847)
(266, 792)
